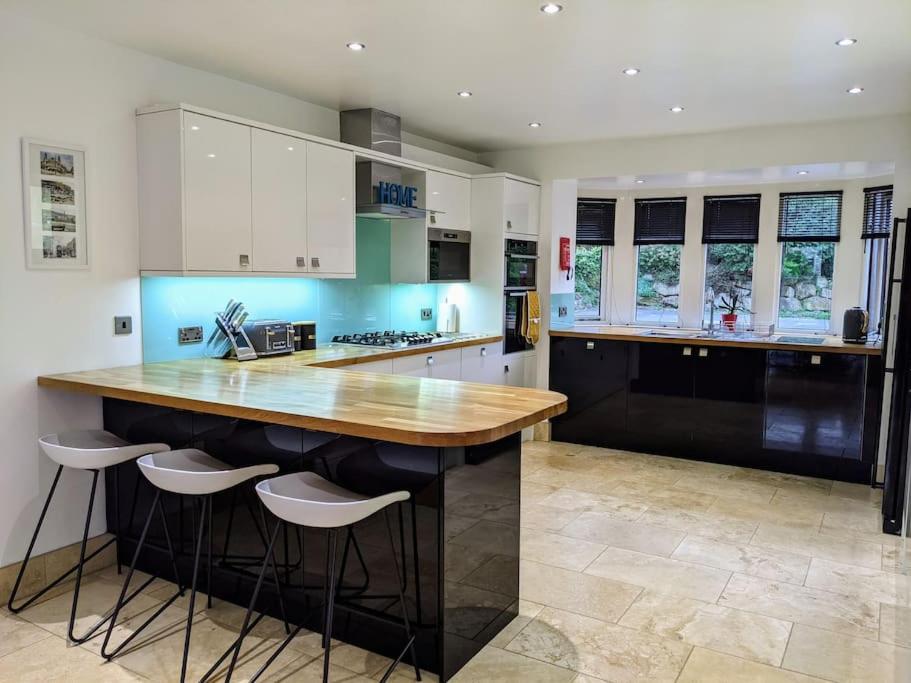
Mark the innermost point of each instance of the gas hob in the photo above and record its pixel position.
(391, 339)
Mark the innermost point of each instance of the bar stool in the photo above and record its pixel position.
(187, 472)
(91, 450)
(306, 499)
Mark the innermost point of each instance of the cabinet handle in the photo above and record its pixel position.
(429, 360)
(244, 260)
(703, 353)
(314, 261)
(509, 225)
(687, 351)
(506, 368)
(483, 352)
(589, 345)
(433, 219)
(301, 262)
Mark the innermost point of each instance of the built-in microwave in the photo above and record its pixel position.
(521, 271)
(448, 255)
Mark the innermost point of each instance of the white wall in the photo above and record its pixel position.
(874, 139)
(63, 86)
(849, 252)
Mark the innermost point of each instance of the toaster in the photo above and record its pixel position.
(270, 337)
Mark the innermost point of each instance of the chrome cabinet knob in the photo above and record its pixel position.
(509, 225)
(244, 260)
(301, 262)
(314, 261)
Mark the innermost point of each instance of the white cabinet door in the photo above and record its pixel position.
(521, 205)
(217, 194)
(414, 366)
(514, 368)
(451, 196)
(382, 367)
(483, 364)
(279, 203)
(446, 364)
(330, 209)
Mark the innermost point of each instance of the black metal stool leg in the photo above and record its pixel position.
(331, 553)
(199, 537)
(117, 528)
(209, 556)
(406, 624)
(79, 568)
(416, 559)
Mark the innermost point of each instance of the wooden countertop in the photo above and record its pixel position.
(830, 344)
(341, 355)
(288, 390)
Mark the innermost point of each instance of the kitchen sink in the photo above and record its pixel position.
(672, 334)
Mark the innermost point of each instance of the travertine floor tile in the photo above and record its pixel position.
(493, 665)
(571, 591)
(599, 649)
(580, 501)
(704, 524)
(769, 563)
(753, 511)
(744, 491)
(558, 550)
(527, 611)
(895, 625)
(649, 493)
(861, 582)
(813, 544)
(17, 633)
(51, 660)
(660, 574)
(861, 492)
(706, 666)
(800, 604)
(533, 493)
(744, 634)
(602, 528)
(897, 558)
(545, 518)
(838, 657)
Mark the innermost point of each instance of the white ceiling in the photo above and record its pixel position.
(730, 63)
(816, 174)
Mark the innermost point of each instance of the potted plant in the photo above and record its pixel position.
(730, 304)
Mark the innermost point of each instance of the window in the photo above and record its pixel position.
(875, 232)
(659, 234)
(730, 231)
(594, 233)
(809, 225)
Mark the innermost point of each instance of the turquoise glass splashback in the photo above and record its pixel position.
(566, 300)
(369, 302)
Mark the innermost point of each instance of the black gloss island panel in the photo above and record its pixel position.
(460, 565)
(790, 411)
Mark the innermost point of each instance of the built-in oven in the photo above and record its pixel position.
(448, 255)
(521, 272)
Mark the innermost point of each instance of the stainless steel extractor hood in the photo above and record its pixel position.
(379, 189)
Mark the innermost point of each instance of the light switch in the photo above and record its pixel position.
(123, 324)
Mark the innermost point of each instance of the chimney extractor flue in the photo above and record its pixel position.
(373, 129)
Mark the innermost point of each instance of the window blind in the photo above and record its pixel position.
(809, 216)
(660, 221)
(877, 212)
(731, 219)
(595, 221)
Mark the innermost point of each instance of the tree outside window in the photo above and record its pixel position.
(805, 298)
(589, 271)
(728, 274)
(658, 283)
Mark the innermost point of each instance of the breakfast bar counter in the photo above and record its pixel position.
(454, 446)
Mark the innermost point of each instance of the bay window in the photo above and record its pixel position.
(809, 226)
(594, 234)
(658, 235)
(877, 227)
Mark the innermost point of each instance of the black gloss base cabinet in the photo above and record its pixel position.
(814, 414)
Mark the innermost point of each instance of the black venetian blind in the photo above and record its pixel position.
(660, 221)
(809, 216)
(595, 221)
(877, 212)
(731, 219)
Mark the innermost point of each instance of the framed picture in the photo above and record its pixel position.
(53, 187)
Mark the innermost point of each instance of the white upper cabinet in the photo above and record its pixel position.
(450, 195)
(521, 206)
(218, 234)
(330, 210)
(279, 203)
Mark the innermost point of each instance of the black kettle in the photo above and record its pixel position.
(854, 330)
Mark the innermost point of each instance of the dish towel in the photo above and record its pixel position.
(532, 323)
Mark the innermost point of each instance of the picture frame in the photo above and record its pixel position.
(54, 206)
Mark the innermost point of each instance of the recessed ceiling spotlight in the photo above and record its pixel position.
(846, 42)
(290, 149)
(534, 124)
(631, 71)
(464, 93)
(856, 90)
(211, 156)
(551, 8)
(803, 172)
(676, 109)
(356, 47)
(639, 181)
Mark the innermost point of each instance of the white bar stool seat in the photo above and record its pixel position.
(192, 472)
(90, 450)
(307, 499)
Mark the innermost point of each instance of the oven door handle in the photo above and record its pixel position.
(524, 257)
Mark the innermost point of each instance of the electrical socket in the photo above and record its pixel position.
(426, 314)
(123, 324)
(561, 311)
(189, 335)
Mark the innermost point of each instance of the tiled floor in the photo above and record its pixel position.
(634, 567)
